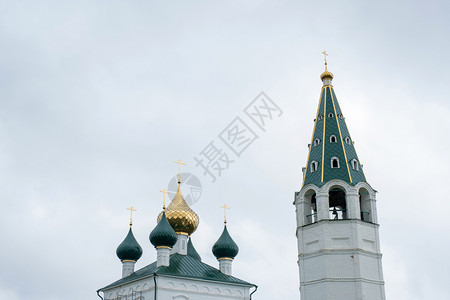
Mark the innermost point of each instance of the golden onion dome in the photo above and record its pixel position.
(327, 74)
(180, 216)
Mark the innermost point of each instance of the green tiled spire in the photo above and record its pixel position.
(331, 140)
(191, 250)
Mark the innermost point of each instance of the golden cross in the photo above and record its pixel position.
(179, 162)
(325, 56)
(165, 193)
(131, 209)
(225, 207)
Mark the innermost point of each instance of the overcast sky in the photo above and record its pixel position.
(98, 98)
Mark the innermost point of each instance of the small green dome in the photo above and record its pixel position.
(191, 251)
(163, 234)
(225, 246)
(129, 249)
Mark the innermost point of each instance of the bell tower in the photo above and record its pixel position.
(337, 227)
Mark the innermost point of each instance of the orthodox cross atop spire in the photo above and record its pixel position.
(131, 209)
(326, 74)
(164, 200)
(325, 56)
(179, 162)
(225, 207)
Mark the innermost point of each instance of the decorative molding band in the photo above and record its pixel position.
(355, 221)
(357, 279)
(182, 233)
(163, 247)
(344, 184)
(340, 252)
(188, 279)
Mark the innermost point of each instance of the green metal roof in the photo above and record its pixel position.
(331, 122)
(180, 266)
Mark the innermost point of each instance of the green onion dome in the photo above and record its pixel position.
(163, 234)
(225, 247)
(191, 251)
(129, 249)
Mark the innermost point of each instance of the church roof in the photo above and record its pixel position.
(180, 266)
(331, 140)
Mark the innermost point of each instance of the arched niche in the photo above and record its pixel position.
(193, 288)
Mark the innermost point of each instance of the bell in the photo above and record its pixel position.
(335, 213)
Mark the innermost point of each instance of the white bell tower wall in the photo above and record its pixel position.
(339, 253)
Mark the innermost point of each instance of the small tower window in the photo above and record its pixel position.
(347, 140)
(316, 142)
(333, 139)
(330, 115)
(314, 166)
(335, 163)
(355, 165)
(320, 117)
(340, 116)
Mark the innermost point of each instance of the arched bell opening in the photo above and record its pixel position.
(337, 203)
(364, 204)
(310, 207)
